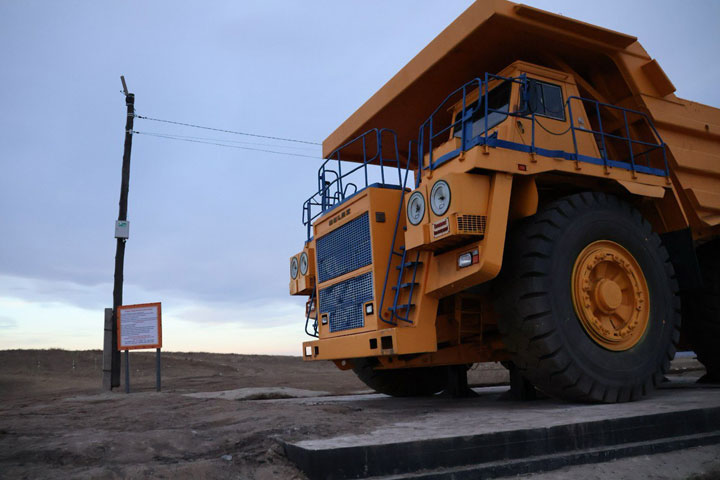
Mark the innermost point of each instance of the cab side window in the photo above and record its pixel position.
(547, 100)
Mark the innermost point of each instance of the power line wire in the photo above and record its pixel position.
(226, 131)
(172, 137)
(300, 147)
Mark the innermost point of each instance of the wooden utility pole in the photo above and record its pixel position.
(122, 216)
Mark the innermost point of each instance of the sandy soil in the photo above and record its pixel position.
(55, 422)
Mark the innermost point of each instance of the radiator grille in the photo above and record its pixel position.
(343, 302)
(471, 224)
(345, 249)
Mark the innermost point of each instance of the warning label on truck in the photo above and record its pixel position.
(441, 228)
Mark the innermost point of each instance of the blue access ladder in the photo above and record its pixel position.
(406, 268)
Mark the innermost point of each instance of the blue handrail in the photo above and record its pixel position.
(331, 187)
(310, 306)
(427, 135)
(332, 191)
(659, 145)
(429, 123)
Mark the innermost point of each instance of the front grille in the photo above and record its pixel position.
(471, 224)
(345, 249)
(343, 302)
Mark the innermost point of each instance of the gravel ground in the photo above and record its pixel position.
(55, 422)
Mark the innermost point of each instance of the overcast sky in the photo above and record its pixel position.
(212, 227)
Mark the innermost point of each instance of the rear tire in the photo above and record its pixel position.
(401, 382)
(703, 324)
(589, 336)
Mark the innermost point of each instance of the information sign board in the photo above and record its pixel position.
(139, 326)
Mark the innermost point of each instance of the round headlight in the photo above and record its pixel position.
(303, 263)
(294, 267)
(440, 197)
(416, 208)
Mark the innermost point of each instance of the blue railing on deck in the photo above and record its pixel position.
(427, 136)
(632, 154)
(334, 185)
(427, 126)
(334, 188)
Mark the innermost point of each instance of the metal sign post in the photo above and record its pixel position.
(127, 371)
(157, 370)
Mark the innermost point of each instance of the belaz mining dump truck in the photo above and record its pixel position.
(528, 189)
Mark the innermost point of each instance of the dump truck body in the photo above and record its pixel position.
(513, 123)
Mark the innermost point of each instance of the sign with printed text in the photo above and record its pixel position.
(139, 326)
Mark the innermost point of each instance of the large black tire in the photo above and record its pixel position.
(703, 324)
(537, 316)
(401, 382)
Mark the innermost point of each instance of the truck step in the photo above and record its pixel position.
(406, 306)
(408, 265)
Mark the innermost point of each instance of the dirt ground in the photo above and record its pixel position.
(56, 422)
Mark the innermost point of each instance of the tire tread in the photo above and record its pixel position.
(538, 351)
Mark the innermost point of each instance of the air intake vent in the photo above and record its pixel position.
(345, 249)
(473, 224)
(343, 302)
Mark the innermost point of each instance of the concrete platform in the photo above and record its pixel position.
(487, 437)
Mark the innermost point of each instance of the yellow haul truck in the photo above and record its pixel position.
(528, 189)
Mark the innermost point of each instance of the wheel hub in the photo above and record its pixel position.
(610, 295)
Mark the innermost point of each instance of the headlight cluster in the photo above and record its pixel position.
(304, 263)
(440, 197)
(299, 265)
(439, 202)
(416, 208)
(294, 267)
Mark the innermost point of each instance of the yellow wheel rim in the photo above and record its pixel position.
(610, 295)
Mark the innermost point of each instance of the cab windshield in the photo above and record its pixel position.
(498, 99)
